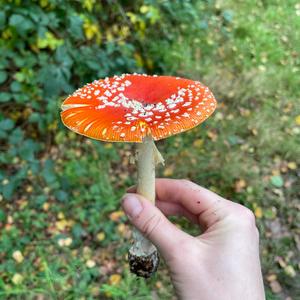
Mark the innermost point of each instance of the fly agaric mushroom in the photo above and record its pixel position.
(142, 109)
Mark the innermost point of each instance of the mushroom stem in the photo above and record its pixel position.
(143, 256)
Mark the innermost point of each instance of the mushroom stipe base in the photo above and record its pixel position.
(143, 266)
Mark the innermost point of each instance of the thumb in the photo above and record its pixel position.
(152, 223)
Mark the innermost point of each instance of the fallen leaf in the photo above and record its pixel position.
(23, 204)
(100, 236)
(230, 117)
(281, 262)
(29, 189)
(271, 277)
(61, 242)
(198, 143)
(283, 169)
(95, 291)
(292, 165)
(65, 242)
(18, 256)
(60, 215)
(212, 135)
(46, 206)
(114, 279)
(121, 228)
(219, 116)
(116, 215)
(290, 271)
(169, 171)
(5, 181)
(61, 225)
(297, 120)
(240, 185)
(254, 131)
(245, 112)
(277, 181)
(275, 172)
(90, 263)
(275, 287)
(108, 146)
(68, 241)
(17, 279)
(258, 212)
(87, 252)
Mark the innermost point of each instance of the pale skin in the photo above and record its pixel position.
(222, 262)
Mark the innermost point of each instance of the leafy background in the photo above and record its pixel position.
(63, 235)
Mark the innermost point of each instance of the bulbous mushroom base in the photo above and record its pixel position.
(143, 265)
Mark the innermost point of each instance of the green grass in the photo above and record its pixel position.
(253, 68)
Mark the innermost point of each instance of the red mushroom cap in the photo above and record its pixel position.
(128, 107)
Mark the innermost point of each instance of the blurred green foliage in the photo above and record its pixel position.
(59, 192)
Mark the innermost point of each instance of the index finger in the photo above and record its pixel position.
(193, 197)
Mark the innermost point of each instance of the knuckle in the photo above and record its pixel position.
(151, 224)
(247, 214)
(185, 182)
(245, 218)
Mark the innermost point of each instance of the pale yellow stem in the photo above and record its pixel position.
(147, 157)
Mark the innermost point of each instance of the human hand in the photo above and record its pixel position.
(220, 264)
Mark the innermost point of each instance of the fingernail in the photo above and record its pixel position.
(131, 205)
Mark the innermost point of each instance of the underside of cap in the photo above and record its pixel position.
(128, 107)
